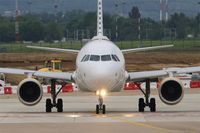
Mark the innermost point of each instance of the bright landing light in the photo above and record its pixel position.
(97, 92)
(101, 92)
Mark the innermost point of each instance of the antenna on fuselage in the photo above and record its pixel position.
(100, 21)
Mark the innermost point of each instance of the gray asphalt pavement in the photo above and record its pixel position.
(79, 116)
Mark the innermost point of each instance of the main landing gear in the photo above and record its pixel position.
(101, 106)
(143, 103)
(57, 103)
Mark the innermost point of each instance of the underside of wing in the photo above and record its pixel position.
(16, 71)
(29, 73)
(55, 75)
(137, 76)
(55, 49)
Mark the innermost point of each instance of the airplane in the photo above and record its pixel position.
(100, 68)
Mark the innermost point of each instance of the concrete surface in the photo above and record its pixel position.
(122, 116)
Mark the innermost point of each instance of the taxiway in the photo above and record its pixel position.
(122, 116)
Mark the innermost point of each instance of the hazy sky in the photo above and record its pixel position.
(148, 7)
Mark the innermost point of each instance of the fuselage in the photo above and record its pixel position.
(100, 64)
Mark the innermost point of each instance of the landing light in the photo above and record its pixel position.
(97, 92)
(101, 92)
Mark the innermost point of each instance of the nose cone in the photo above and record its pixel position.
(101, 72)
(101, 77)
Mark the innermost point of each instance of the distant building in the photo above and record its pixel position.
(8, 14)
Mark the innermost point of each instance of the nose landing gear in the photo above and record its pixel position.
(101, 106)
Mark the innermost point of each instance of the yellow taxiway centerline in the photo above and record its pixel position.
(142, 124)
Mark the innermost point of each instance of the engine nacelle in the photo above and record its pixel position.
(30, 91)
(171, 90)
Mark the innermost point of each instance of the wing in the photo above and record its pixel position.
(125, 51)
(138, 76)
(54, 49)
(54, 75)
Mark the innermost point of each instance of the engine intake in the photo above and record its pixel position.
(30, 91)
(171, 91)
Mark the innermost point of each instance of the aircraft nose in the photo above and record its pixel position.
(101, 77)
(101, 73)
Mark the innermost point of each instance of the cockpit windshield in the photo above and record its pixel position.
(94, 58)
(105, 58)
(100, 58)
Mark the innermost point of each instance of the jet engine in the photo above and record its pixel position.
(30, 91)
(171, 90)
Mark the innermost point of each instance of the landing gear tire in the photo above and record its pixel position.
(152, 105)
(104, 109)
(97, 109)
(59, 105)
(101, 108)
(48, 105)
(141, 105)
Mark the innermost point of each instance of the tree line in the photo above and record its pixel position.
(49, 27)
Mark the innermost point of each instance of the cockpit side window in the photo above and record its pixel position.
(114, 58)
(94, 58)
(105, 58)
(87, 58)
(83, 58)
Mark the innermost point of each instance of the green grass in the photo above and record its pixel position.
(178, 45)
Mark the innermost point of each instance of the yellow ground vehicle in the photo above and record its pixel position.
(54, 65)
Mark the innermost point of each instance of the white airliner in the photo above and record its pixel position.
(100, 68)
